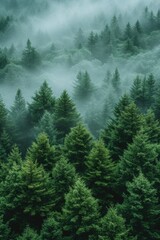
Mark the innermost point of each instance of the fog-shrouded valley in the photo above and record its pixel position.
(79, 120)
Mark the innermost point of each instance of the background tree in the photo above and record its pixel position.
(66, 115)
(42, 101)
(30, 57)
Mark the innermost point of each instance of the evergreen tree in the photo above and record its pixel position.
(52, 228)
(124, 101)
(3, 116)
(115, 29)
(140, 209)
(80, 214)
(150, 90)
(92, 40)
(128, 32)
(29, 234)
(100, 173)
(122, 130)
(112, 227)
(63, 177)
(116, 81)
(19, 120)
(78, 144)
(4, 230)
(66, 115)
(42, 101)
(3, 60)
(42, 152)
(5, 145)
(142, 156)
(46, 125)
(79, 39)
(30, 57)
(83, 89)
(26, 196)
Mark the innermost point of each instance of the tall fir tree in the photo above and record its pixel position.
(42, 101)
(100, 173)
(77, 146)
(66, 116)
(80, 214)
(140, 209)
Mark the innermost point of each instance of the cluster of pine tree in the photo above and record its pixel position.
(57, 181)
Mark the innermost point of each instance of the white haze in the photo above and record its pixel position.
(58, 24)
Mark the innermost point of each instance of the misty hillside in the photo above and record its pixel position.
(79, 120)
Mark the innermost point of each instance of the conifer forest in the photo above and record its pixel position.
(79, 120)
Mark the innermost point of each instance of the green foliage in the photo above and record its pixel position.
(63, 177)
(30, 57)
(142, 156)
(4, 23)
(66, 115)
(3, 60)
(80, 213)
(83, 89)
(42, 152)
(19, 120)
(140, 209)
(100, 173)
(42, 101)
(4, 230)
(112, 227)
(77, 146)
(116, 81)
(29, 234)
(122, 130)
(52, 228)
(3, 116)
(46, 125)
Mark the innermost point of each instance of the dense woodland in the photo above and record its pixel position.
(84, 164)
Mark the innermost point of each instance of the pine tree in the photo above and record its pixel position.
(100, 173)
(63, 177)
(128, 32)
(19, 119)
(83, 89)
(46, 125)
(66, 115)
(151, 90)
(122, 130)
(3, 116)
(42, 152)
(80, 213)
(29, 234)
(140, 209)
(26, 196)
(78, 144)
(116, 81)
(142, 156)
(5, 145)
(4, 230)
(79, 39)
(42, 101)
(112, 226)
(52, 228)
(30, 57)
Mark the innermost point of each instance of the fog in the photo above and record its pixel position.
(57, 22)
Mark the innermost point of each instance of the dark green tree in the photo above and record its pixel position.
(46, 125)
(122, 130)
(51, 228)
(19, 120)
(63, 177)
(4, 230)
(142, 156)
(116, 82)
(140, 209)
(80, 214)
(66, 115)
(112, 227)
(83, 88)
(30, 57)
(3, 60)
(42, 152)
(77, 146)
(42, 101)
(100, 173)
(29, 234)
